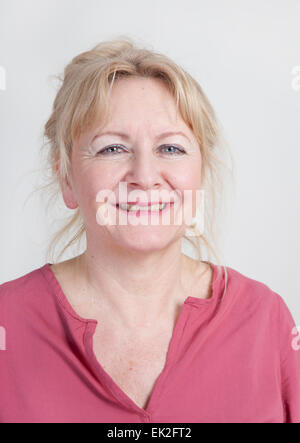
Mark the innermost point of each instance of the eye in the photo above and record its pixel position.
(178, 150)
(113, 150)
(109, 150)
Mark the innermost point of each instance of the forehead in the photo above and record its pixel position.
(139, 86)
(137, 100)
(140, 107)
(140, 92)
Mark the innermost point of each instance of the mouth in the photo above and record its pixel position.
(146, 208)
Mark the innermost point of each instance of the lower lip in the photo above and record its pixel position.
(147, 212)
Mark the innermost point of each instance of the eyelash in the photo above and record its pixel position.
(180, 150)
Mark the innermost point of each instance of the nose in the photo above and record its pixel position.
(144, 172)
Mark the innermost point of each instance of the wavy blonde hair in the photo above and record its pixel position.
(83, 99)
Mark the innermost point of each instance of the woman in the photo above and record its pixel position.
(132, 329)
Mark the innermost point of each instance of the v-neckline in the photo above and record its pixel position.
(91, 324)
(119, 394)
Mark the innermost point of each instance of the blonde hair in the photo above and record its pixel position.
(83, 99)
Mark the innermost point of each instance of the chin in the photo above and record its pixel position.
(153, 239)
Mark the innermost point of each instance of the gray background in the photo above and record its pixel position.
(241, 52)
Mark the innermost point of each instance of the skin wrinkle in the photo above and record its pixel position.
(134, 272)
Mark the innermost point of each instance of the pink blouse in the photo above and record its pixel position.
(232, 359)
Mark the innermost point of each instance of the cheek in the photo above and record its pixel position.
(188, 177)
(187, 180)
(87, 184)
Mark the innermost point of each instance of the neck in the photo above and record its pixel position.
(136, 289)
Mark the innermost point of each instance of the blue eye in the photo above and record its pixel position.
(178, 150)
(106, 150)
(109, 150)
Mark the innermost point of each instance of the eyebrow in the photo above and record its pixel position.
(159, 137)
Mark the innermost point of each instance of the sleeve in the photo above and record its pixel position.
(289, 342)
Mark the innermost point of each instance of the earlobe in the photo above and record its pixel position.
(68, 195)
(69, 200)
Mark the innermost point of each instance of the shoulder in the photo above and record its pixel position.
(255, 304)
(249, 286)
(26, 285)
(250, 292)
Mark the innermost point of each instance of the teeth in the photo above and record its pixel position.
(127, 207)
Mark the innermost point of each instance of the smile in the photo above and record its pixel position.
(141, 209)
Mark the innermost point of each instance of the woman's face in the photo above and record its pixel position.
(146, 159)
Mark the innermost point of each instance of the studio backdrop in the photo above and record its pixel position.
(246, 57)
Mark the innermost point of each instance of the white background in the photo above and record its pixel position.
(241, 52)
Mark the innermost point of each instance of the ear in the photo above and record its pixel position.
(67, 192)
